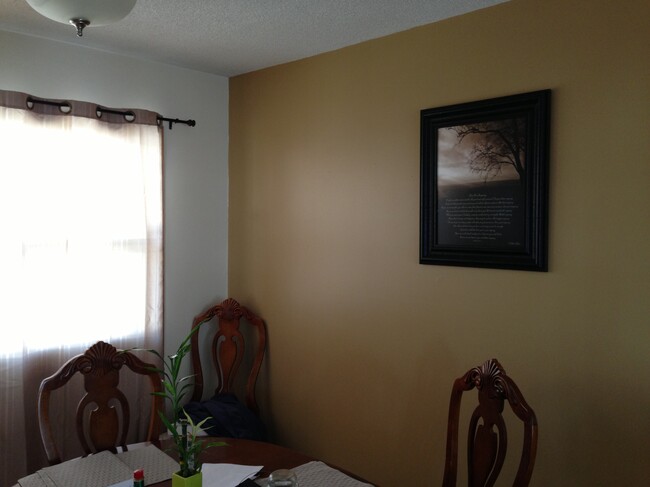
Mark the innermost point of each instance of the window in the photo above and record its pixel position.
(80, 209)
(80, 254)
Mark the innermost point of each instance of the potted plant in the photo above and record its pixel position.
(180, 425)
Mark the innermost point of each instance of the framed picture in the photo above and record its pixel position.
(484, 183)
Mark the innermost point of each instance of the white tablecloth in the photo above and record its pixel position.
(319, 474)
(104, 469)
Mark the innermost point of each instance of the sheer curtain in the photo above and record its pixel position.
(80, 253)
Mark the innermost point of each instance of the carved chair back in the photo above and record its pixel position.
(103, 413)
(487, 438)
(228, 348)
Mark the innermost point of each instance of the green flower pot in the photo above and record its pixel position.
(195, 480)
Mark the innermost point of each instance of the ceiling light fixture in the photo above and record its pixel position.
(82, 13)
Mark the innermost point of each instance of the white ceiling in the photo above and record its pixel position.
(230, 37)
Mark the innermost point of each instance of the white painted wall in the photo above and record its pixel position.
(196, 159)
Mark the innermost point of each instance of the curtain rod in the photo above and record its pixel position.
(191, 123)
(128, 115)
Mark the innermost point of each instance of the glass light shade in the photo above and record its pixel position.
(96, 12)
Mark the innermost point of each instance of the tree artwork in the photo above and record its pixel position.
(496, 144)
(484, 183)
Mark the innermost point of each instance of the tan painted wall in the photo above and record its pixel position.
(364, 341)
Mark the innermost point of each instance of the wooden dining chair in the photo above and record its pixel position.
(103, 413)
(228, 348)
(487, 438)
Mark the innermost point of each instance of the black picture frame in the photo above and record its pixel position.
(484, 183)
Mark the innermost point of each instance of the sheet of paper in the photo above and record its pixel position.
(227, 474)
(126, 483)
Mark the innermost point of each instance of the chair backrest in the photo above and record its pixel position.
(487, 447)
(99, 426)
(228, 350)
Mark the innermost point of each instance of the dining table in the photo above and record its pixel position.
(251, 452)
(262, 458)
(245, 452)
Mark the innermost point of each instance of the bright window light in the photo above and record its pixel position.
(74, 239)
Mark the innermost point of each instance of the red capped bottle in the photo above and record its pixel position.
(138, 478)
